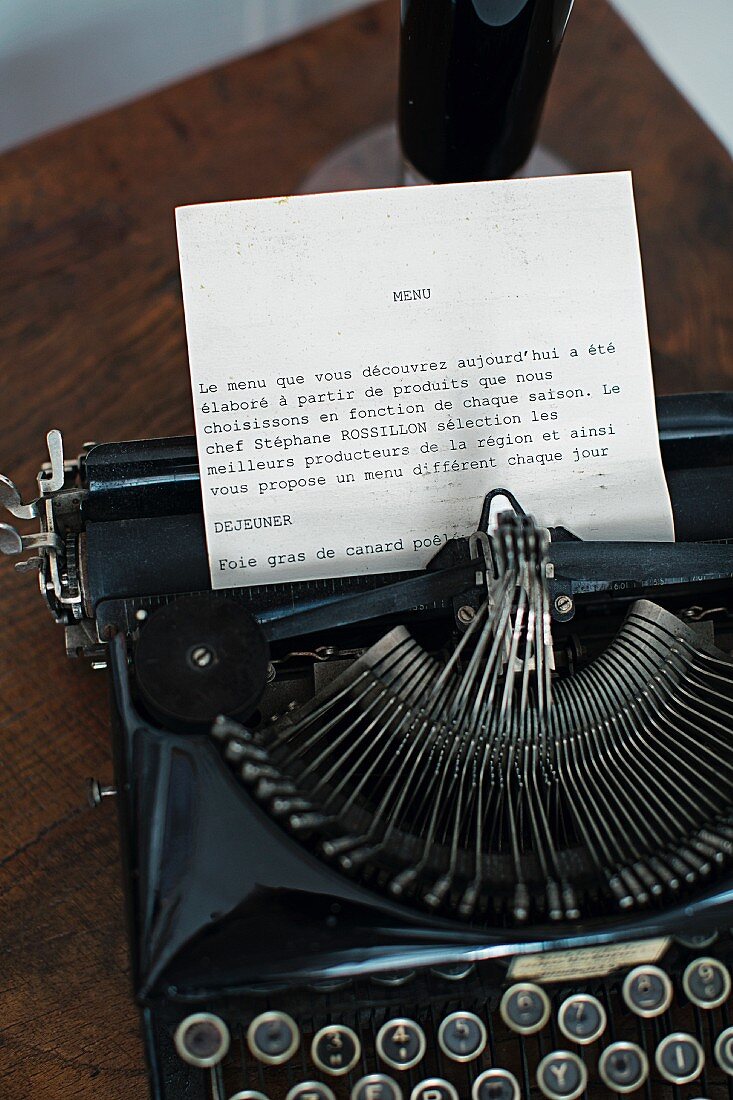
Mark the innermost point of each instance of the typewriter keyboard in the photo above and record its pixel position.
(443, 1035)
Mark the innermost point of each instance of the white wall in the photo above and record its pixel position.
(61, 60)
(64, 59)
(692, 40)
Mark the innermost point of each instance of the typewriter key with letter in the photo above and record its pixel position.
(335, 1049)
(401, 1043)
(462, 1036)
(680, 1058)
(202, 1039)
(623, 1067)
(525, 1008)
(310, 1090)
(647, 991)
(434, 1089)
(706, 982)
(561, 1075)
(496, 1084)
(273, 1037)
(376, 1087)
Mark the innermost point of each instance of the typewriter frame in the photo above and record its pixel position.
(100, 613)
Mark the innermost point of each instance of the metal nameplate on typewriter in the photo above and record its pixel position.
(584, 963)
(460, 833)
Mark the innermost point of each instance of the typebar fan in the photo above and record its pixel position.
(477, 788)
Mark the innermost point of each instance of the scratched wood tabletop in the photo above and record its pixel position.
(93, 343)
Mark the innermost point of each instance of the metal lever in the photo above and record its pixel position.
(50, 481)
(12, 542)
(10, 497)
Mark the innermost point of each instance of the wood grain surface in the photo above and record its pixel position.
(93, 343)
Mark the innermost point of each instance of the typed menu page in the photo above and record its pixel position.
(365, 366)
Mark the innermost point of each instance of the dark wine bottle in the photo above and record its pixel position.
(473, 79)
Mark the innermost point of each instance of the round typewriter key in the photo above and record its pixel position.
(706, 982)
(273, 1037)
(462, 1036)
(679, 1058)
(623, 1067)
(647, 991)
(401, 1043)
(376, 1087)
(248, 1095)
(525, 1008)
(495, 1084)
(561, 1075)
(199, 657)
(724, 1050)
(582, 1018)
(335, 1049)
(434, 1089)
(202, 1039)
(310, 1090)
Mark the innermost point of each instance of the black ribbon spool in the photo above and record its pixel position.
(199, 657)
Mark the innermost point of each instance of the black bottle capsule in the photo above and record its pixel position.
(473, 79)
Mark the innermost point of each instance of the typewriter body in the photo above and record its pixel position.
(381, 843)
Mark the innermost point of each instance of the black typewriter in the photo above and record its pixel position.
(462, 834)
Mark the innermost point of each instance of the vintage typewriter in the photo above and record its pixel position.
(463, 834)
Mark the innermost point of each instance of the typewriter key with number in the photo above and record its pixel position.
(462, 1036)
(582, 1018)
(706, 982)
(647, 991)
(401, 1043)
(335, 1049)
(525, 1008)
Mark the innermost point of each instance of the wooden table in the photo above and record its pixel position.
(93, 343)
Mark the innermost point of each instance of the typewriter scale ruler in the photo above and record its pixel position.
(122, 614)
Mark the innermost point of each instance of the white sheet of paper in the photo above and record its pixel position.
(366, 365)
